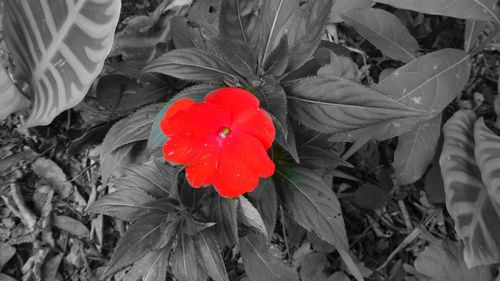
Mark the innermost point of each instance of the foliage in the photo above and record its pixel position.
(357, 92)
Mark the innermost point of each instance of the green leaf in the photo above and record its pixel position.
(152, 267)
(139, 239)
(239, 56)
(249, 216)
(184, 35)
(260, 264)
(184, 261)
(315, 158)
(473, 29)
(264, 200)
(312, 267)
(333, 104)
(223, 212)
(273, 16)
(304, 33)
(157, 181)
(476, 214)
(342, 6)
(487, 154)
(122, 136)
(443, 261)
(415, 151)
(464, 9)
(6, 253)
(193, 65)
(430, 82)
(287, 142)
(371, 197)
(238, 20)
(126, 204)
(209, 252)
(385, 31)
(312, 204)
(277, 61)
(198, 92)
(59, 48)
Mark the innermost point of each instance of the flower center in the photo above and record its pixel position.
(225, 132)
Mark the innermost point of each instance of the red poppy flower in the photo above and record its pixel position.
(223, 141)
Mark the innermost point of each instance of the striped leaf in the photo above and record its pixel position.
(487, 152)
(11, 100)
(476, 215)
(60, 47)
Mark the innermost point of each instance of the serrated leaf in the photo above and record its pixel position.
(385, 31)
(342, 6)
(443, 261)
(184, 261)
(250, 216)
(139, 239)
(264, 200)
(332, 104)
(152, 267)
(312, 204)
(11, 99)
(260, 264)
(193, 65)
(273, 16)
(487, 154)
(304, 33)
(239, 56)
(238, 20)
(273, 99)
(223, 212)
(464, 9)
(71, 225)
(313, 158)
(60, 48)
(198, 92)
(288, 141)
(126, 204)
(151, 179)
(415, 151)
(209, 252)
(476, 215)
(277, 61)
(430, 82)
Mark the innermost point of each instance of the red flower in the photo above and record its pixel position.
(223, 141)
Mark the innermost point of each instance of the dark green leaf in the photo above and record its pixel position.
(198, 92)
(139, 239)
(287, 142)
(223, 212)
(239, 56)
(312, 268)
(264, 199)
(6, 253)
(415, 151)
(122, 136)
(342, 6)
(274, 14)
(370, 196)
(184, 261)
(152, 267)
(192, 65)
(465, 9)
(184, 35)
(71, 225)
(277, 61)
(126, 204)
(473, 29)
(306, 28)
(333, 104)
(207, 249)
(385, 31)
(250, 216)
(238, 20)
(314, 158)
(148, 177)
(444, 261)
(260, 264)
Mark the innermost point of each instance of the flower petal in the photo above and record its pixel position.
(197, 120)
(243, 160)
(236, 100)
(183, 149)
(256, 123)
(204, 170)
